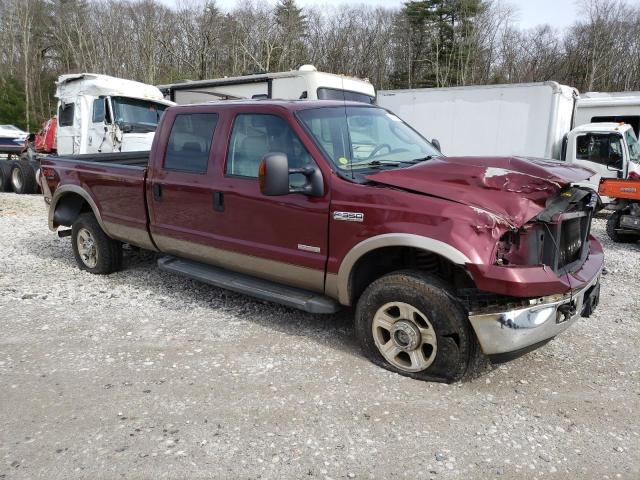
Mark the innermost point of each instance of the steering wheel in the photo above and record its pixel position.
(378, 149)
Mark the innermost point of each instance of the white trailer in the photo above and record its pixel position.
(305, 83)
(522, 119)
(619, 107)
(101, 114)
(528, 120)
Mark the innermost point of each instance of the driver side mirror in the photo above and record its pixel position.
(436, 143)
(274, 173)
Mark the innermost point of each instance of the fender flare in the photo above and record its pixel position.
(391, 240)
(75, 189)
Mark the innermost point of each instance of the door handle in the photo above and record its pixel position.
(218, 201)
(157, 191)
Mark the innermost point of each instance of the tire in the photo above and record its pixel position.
(420, 311)
(93, 250)
(5, 176)
(23, 177)
(613, 223)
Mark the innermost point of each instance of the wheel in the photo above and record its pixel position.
(94, 251)
(613, 223)
(409, 323)
(23, 177)
(5, 176)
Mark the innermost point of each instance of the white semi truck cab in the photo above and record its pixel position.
(102, 114)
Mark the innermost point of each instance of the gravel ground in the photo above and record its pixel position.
(144, 374)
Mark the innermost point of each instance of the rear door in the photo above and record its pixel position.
(180, 187)
(282, 238)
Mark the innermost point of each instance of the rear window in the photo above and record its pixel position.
(190, 142)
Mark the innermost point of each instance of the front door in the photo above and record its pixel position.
(283, 238)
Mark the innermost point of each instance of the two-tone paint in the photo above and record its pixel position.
(455, 208)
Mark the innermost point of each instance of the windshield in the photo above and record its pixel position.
(360, 138)
(136, 115)
(634, 147)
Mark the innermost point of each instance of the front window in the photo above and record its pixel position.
(634, 147)
(362, 138)
(256, 134)
(601, 148)
(344, 95)
(133, 115)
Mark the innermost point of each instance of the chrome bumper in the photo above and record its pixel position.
(513, 330)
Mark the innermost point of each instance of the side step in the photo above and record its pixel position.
(308, 301)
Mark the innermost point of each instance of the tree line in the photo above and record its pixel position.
(427, 43)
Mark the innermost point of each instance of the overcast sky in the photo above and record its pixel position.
(530, 13)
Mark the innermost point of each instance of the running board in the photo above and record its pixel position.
(306, 300)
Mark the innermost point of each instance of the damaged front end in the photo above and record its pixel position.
(546, 275)
(558, 237)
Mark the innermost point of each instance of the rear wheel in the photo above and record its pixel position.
(409, 323)
(23, 177)
(613, 224)
(5, 176)
(94, 251)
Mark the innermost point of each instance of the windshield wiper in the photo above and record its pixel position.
(418, 160)
(378, 163)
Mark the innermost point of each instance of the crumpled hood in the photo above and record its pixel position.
(514, 189)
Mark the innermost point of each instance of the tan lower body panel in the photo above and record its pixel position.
(285, 273)
(331, 286)
(135, 236)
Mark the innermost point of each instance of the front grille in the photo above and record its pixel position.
(566, 243)
(571, 242)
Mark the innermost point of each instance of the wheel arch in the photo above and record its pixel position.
(68, 203)
(365, 262)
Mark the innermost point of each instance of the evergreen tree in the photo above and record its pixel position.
(291, 30)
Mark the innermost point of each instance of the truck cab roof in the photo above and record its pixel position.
(604, 127)
(291, 105)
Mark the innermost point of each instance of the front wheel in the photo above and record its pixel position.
(409, 323)
(94, 251)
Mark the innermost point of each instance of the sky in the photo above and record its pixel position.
(529, 13)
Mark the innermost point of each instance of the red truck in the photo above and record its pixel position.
(323, 205)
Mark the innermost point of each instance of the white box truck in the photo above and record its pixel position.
(305, 83)
(527, 120)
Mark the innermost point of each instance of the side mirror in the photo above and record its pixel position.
(436, 143)
(274, 172)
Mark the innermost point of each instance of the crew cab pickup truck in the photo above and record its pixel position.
(320, 205)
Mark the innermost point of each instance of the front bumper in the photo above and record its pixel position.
(514, 330)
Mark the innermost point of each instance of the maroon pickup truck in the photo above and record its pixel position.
(319, 205)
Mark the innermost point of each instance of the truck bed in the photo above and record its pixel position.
(115, 184)
(131, 159)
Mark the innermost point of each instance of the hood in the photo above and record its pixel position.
(514, 189)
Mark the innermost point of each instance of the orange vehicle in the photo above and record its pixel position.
(623, 225)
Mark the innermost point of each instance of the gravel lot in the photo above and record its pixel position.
(143, 374)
